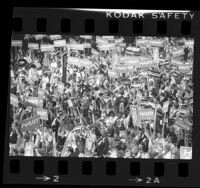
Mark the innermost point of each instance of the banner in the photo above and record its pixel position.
(146, 114)
(185, 68)
(30, 124)
(33, 46)
(86, 36)
(13, 100)
(185, 152)
(59, 43)
(55, 37)
(178, 52)
(46, 47)
(16, 43)
(34, 101)
(60, 87)
(42, 113)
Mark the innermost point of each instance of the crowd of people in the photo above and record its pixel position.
(115, 98)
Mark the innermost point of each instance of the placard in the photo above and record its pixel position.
(42, 113)
(30, 124)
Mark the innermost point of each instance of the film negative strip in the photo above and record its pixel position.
(103, 97)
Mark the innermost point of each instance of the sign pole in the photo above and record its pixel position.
(163, 128)
(154, 127)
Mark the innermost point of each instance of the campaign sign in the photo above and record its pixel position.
(124, 68)
(30, 124)
(13, 100)
(157, 43)
(16, 43)
(165, 106)
(113, 74)
(146, 114)
(184, 68)
(34, 101)
(55, 37)
(106, 47)
(146, 63)
(42, 113)
(33, 46)
(185, 152)
(60, 87)
(59, 43)
(46, 47)
(75, 46)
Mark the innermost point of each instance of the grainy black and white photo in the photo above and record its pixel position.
(101, 96)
